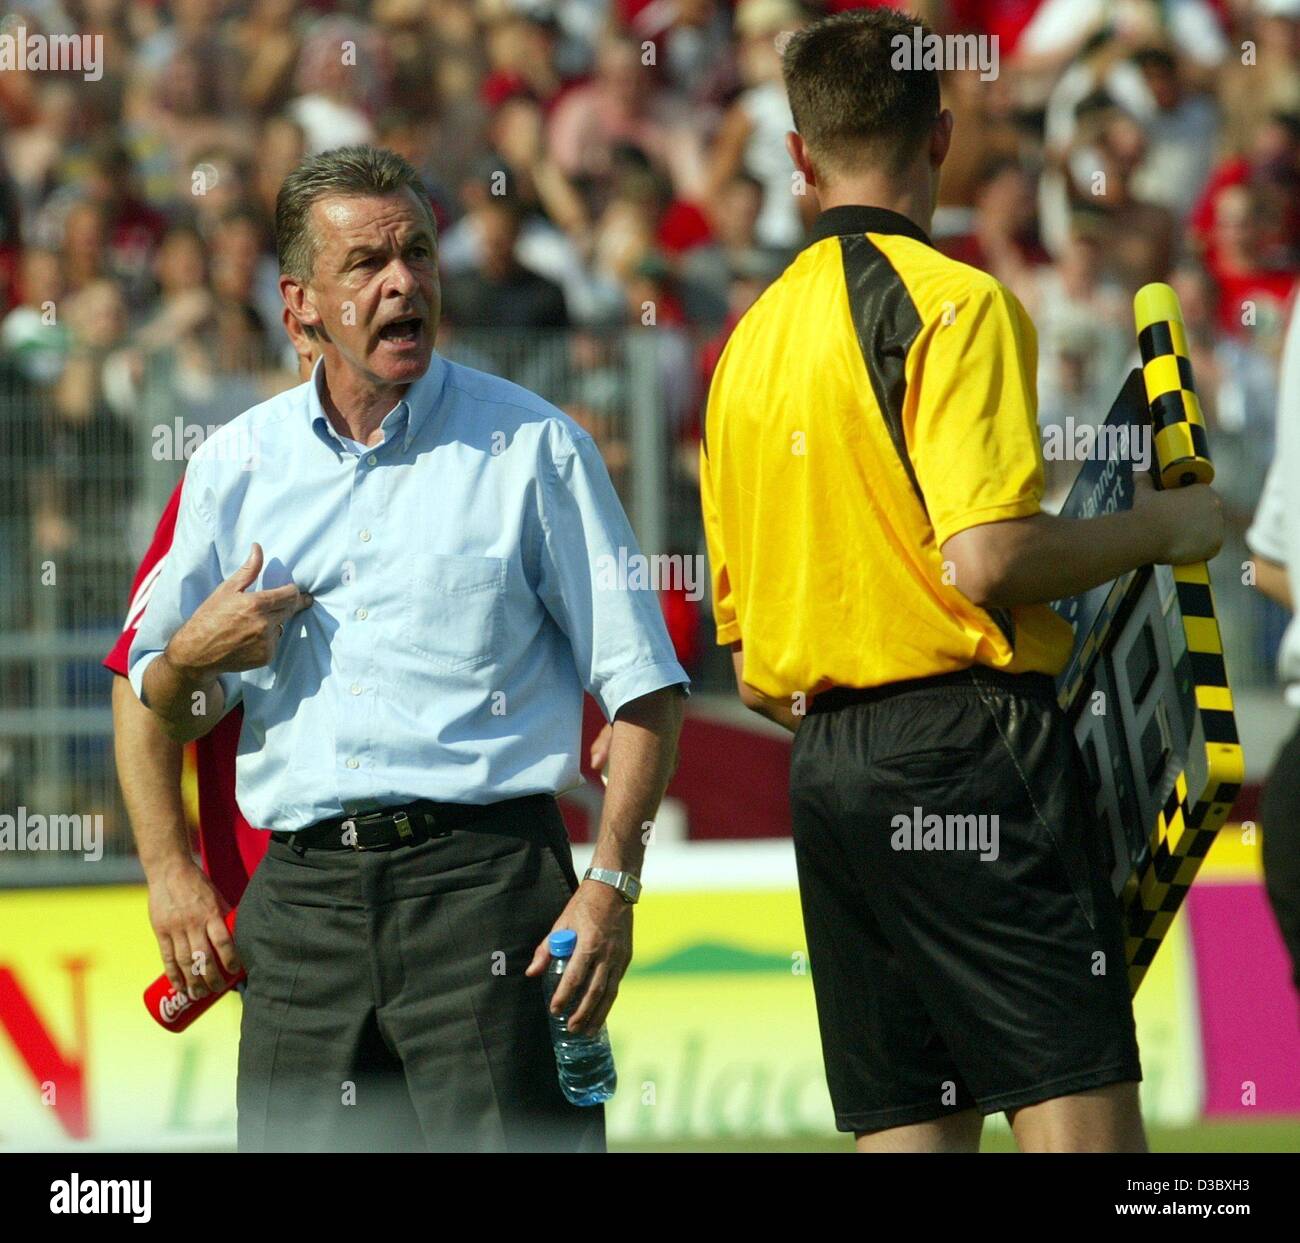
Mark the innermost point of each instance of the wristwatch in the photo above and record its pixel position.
(628, 886)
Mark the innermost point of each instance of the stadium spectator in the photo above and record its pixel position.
(1181, 127)
(281, 144)
(1004, 237)
(31, 333)
(1236, 383)
(987, 113)
(694, 49)
(1254, 285)
(84, 245)
(1085, 340)
(186, 107)
(184, 299)
(1262, 82)
(520, 46)
(35, 153)
(242, 270)
(89, 472)
(339, 84)
(269, 42)
(752, 134)
(1270, 166)
(707, 270)
(21, 441)
(623, 105)
(1141, 233)
(1060, 29)
(499, 292)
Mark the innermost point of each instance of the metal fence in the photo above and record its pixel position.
(87, 462)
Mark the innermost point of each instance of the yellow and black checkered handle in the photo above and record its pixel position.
(1187, 824)
(1182, 450)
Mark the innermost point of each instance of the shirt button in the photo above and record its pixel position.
(362, 614)
(353, 762)
(355, 688)
(371, 460)
(365, 535)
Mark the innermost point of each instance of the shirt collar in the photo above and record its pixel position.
(849, 218)
(409, 415)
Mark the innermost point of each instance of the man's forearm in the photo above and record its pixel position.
(778, 711)
(187, 702)
(149, 772)
(1046, 558)
(1271, 580)
(642, 755)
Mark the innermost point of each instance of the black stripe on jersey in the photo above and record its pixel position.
(887, 323)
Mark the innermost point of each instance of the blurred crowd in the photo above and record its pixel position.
(599, 166)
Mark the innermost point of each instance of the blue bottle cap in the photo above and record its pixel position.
(562, 944)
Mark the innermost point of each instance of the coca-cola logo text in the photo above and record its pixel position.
(172, 1005)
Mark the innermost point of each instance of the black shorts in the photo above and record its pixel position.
(957, 962)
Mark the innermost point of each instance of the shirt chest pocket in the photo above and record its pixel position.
(454, 610)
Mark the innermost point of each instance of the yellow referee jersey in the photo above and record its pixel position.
(876, 399)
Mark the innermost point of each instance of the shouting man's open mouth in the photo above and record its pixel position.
(402, 334)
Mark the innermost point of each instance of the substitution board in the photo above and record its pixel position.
(1146, 688)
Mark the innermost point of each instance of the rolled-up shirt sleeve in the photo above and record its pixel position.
(190, 572)
(594, 582)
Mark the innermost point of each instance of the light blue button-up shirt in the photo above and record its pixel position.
(460, 606)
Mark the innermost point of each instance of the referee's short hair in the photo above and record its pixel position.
(358, 170)
(854, 110)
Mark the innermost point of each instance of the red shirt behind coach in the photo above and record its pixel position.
(229, 846)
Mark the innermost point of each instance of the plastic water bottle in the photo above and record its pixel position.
(585, 1062)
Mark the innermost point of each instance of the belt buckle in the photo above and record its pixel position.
(401, 822)
(351, 838)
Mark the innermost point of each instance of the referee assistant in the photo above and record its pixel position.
(871, 480)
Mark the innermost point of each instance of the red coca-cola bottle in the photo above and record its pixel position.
(175, 1011)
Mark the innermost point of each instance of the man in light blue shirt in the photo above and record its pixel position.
(396, 568)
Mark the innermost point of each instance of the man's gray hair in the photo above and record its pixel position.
(358, 170)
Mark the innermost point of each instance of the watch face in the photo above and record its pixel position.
(627, 885)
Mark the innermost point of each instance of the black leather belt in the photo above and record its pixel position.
(836, 697)
(407, 825)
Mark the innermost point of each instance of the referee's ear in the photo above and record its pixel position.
(941, 138)
(798, 152)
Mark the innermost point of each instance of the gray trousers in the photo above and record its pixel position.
(387, 1007)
